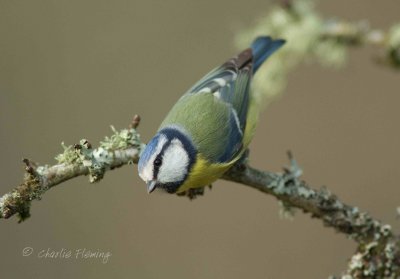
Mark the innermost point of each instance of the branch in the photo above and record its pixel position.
(311, 37)
(378, 252)
(360, 33)
(321, 204)
(379, 248)
(121, 148)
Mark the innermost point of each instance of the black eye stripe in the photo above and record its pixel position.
(158, 160)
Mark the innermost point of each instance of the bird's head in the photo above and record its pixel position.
(167, 159)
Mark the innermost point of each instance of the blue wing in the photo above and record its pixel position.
(230, 83)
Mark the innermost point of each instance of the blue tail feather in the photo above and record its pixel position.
(262, 48)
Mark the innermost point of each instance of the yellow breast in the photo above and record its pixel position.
(203, 173)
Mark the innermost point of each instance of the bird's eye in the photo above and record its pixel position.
(157, 162)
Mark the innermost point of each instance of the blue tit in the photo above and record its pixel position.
(210, 126)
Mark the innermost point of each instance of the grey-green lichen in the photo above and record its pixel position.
(394, 36)
(301, 26)
(284, 184)
(288, 183)
(394, 45)
(377, 258)
(375, 261)
(286, 211)
(4, 200)
(98, 160)
(121, 139)
(19, 200)
(309, 38)
(69, 156)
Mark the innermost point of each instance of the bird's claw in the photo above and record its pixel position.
(194, 192)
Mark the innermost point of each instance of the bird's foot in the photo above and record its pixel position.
(193, 192)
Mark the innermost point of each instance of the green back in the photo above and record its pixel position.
(206, 119)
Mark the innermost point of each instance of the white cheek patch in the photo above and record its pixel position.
(175, 163)
(148, 171)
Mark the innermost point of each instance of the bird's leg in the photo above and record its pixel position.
(244, 159)
(194, 192)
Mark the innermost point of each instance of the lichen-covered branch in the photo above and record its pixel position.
(378, 253)
(313, 38)
(319, 203)
(121, 148)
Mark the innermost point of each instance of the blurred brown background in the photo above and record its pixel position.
(69, 69)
